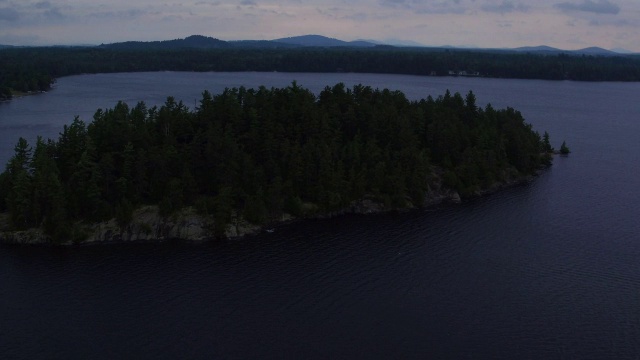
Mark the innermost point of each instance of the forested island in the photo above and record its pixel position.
(24, 70)
(261, 156)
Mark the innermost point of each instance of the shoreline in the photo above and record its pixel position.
(20, 94)
(187, 226)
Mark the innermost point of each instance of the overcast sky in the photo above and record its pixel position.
(566, 24)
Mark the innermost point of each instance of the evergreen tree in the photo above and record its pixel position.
(18, 186)
(19, 201)
(546, 144)
(48, 202)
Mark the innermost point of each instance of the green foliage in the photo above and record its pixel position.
(5, 93)
(564, 150)
(173, 199)
(18, 186)
(33, 192)
(47, 202)
(256, 153)
(34, 69)
(223, 210)
(4, 190)
(19, 202)
(293, 206)
(546, 144)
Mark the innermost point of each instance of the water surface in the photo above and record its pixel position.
(548, 270)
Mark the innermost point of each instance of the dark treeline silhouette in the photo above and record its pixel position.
(259, 153)
(34, 69)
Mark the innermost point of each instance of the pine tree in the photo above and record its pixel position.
(18, 199)
(546, 145)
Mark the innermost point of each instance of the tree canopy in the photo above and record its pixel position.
(34, 69)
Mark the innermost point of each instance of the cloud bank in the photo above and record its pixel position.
(597, 7)
(569, 24)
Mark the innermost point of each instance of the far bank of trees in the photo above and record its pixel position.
(23, 71)
(34, 69)
(258, 153)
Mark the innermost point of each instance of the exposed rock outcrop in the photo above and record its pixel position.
(148, 225)
(26, 237)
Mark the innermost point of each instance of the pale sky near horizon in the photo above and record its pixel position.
(565, 24)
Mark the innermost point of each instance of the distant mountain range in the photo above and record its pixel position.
(541, 48)
(395, 42)
(322, 41)
(205, 42)
(194, 41)
(585, 51)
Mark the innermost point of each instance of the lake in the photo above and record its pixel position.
(547, 270)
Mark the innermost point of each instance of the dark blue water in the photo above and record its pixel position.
(548, 270)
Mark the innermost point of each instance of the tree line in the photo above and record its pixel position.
(34, 69)
(259, 153)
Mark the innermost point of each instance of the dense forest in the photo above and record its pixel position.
(34, 69)
(259, 153)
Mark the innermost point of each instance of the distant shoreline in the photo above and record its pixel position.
(20, 94)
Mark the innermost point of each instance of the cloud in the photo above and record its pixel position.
(394, 2)
(426, 7)
(505, 7)
(341, 13)
(120, 15)
(505, 24)
(360, 16)
(11, 38)
(54, 14)
(621, 23)
(9, 14)
(43, 5)
(491, 23)
(598, 7)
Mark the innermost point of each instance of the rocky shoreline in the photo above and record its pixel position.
(189, 226)
(18, 94)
